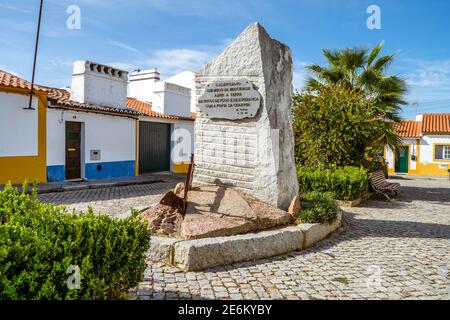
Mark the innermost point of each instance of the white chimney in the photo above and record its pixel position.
(176, 99)
(142, 84)
(419, 117)
(99, 84)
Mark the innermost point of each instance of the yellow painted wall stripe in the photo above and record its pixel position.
(180, 167)
(30, 168)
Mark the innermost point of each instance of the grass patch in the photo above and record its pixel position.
(343, 280)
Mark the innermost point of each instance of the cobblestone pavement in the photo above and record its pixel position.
(112, 201)
(386, 250)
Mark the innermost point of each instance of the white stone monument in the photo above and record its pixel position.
(243, 130)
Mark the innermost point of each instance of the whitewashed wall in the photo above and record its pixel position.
(413, 150)
(18, 127)
(114, 136)
(182, 142)
(390, 158)
(177, 100)
(104, 85)
(427, 144)
(186, 79)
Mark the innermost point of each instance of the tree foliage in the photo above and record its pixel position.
(364, 71)
(337, 126)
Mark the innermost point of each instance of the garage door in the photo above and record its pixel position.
(154, 147)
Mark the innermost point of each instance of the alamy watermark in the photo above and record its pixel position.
(373, 282)
(73, 21)
(74, 280)
(374, 20)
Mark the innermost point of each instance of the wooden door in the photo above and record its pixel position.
(73, 150)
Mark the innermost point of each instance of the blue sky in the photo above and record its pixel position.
(177, 35)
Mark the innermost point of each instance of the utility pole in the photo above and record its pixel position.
(35, 57)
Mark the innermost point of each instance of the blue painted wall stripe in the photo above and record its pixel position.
(55, 173)
(95, 171)
(110, 170)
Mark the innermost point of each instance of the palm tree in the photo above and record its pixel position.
(359, 69)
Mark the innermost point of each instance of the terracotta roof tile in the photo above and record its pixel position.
(436, 123)
(146, 109)
(8, 79)
(61, 98)
(408, 129)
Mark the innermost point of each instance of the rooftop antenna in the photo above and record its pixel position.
(35, 57)
(416, 105)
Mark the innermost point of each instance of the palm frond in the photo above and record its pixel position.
(374, 53)
(383, 62)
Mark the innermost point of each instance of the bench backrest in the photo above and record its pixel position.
(378, 179)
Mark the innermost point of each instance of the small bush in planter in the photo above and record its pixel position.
(39, 243)
(318, 207)
(346, 183)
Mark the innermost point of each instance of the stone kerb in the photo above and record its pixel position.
(194, 255)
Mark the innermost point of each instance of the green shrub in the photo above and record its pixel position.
(39, 242)
(318, 207)
(347, 183)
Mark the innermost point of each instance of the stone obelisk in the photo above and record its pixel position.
(243, 130)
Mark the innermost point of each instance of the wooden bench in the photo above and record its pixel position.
(381, 186)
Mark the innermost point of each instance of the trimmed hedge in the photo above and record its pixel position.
(39, 242)
(346, 183)
(318, 207)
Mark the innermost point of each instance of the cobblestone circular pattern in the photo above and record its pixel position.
(386, 250)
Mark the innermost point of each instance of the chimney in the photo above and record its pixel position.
(142, 84)
(99, 84)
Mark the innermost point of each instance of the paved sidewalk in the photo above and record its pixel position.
(112, 201)
(386, 250)
(158, 177)
(112, 197)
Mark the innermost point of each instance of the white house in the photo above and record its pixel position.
(91, 134)
(426, 146)
(166, 109)
(93, 130)
(22, 131)
(186, 79)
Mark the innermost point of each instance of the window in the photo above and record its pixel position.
(442, 152)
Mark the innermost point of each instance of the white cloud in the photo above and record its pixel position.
(123, 46)
(300, 74)
(427, 80)
(5, 68)
(171, 61)
(429, 73)
(14, 8)
(123, 66)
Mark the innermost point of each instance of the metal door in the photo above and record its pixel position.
(402, 160)
(154, 147)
